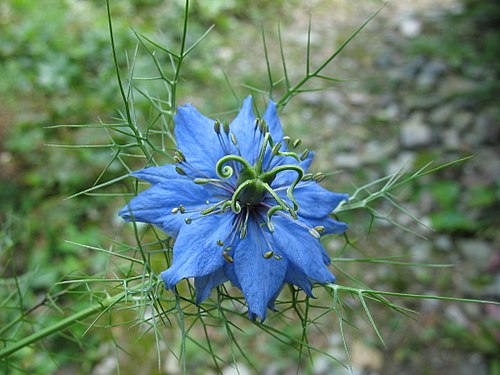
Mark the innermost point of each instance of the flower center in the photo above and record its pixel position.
(254, 193)
(252, 188)
(254, 181)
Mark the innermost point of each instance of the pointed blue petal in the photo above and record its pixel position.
(243, 127)
(231, 275)
(287, 177)
(197, 140)
(205, 284)
(155, 205)
(296, 277)
(273, 121)
(306, 163)
(270, 305)
(196, 252)
(314, 201)
(301, 249)
(155, 175)
(332, 226)
(260, 279)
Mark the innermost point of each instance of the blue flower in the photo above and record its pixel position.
(241, 207)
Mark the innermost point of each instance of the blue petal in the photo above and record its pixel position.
(273, 121)
(244, 130)
(205, 284)
(270, 305)
(260, 279)
(155, 204)
(197, 140)
(166, 174)
(331, 226)
(231, 275)
(306, 163)
(155, 175)
(302, 249)
(287, 177)
(296, 277)
(196, 252)
(313, 200)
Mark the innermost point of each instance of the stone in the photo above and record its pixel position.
(430, 74)
(410, 27)
(347, 160)
(455, 85)
(357, 99)
(452, 140)
(462, 120)
(415, 132)
(456, 315)
(237, 369)
(366, 357)
(442, 115)
(477, 253)
(444, 243)
(486, 130)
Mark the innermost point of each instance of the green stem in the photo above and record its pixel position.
(291, 91)
(62, 324)
(11, 324)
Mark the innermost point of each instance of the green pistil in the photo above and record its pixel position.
(253, 183)
(225, 171)
(250, 192)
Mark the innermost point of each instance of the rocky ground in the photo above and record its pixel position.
(408, 109)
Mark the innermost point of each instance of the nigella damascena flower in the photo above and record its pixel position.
(241, 208)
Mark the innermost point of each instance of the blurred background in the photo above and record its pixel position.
(421, 85)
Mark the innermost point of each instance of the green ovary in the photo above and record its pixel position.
(253, 193)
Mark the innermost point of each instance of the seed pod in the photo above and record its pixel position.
(208, 210)
(228, 257)
(307, 177)
(276, 148)
(233, 139)
(269, 254)
(318, 177)
(319, 228)
(201, 181)
(263, 127)
(180, 156)
(305, 154)
(314, 233)
(180, 171)
(256, 123)
(217, 126)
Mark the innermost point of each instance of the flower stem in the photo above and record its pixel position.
(62, 324)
